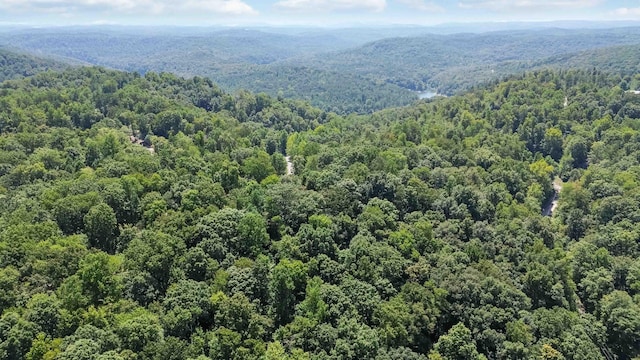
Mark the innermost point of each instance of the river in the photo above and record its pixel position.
(427, 94)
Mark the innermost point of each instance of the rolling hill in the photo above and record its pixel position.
(336, 69)
(15, 65)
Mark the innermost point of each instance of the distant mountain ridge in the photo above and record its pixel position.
(621, 59)
(341, 70)
(416, 62)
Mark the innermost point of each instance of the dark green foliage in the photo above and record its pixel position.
(457, 344)
(44, 311)
(187, 307)
(16, 335)
(100, 225)
(621, 317)
(70, 212)
(97, 273)
(149, 258)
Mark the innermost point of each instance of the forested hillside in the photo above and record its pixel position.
(236, 59)
(183, 53)
(450, 63)
(343, 70)
(152, 217)
(339, 92)
(614, 59)
(14, 65)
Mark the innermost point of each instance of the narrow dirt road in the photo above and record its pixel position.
(289, 165)
(552, 205)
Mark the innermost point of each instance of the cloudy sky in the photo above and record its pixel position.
(308, 12)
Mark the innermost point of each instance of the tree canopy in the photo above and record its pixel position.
(149, 217)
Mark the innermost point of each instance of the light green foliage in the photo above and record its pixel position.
(313, 306)
(252, 234)
(275, 351)
(392, 319)
(43, 348)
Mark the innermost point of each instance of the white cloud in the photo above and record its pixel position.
(527, 5)
(422, 5)
(233, 7)
(138, 7)
(627, 13)
(330, 5)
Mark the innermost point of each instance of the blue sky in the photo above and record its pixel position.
(307, 12)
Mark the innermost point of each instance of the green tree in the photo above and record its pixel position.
(83, 349)
(9, 281)
(275, 351)
(553, 143)
(101, 227)
(138, 330)
(16, 335)
(286, 286)
(99, 275)
(252, 234)
(187, 307)
(70, 211)
(457, 343)
(44, 311)
(621, 316)
(238, 314)
(258, 166)
(150, 258)
(393, 319)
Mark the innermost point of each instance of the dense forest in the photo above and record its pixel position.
(338, 92)
(235, 59)
(614, 59)
(338, 70)
(153, 217)
(14, 65)
(450, 63)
